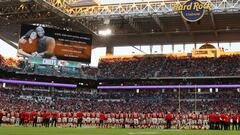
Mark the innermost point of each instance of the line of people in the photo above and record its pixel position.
(212, 121)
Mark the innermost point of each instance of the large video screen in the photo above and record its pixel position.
(38, 41)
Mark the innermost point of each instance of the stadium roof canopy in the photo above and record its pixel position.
(134, 22)
(123, 1)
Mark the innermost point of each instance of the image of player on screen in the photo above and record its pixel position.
(35, 44)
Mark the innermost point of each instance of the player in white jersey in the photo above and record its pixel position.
(184, 121)
(200, 121)
(12, 118)
(17, 118)
(75, 119)
(178, 118)
(135, 119)
(205, 121)
(88, 118)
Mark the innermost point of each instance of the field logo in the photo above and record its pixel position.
(192, 10)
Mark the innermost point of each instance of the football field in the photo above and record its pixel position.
(94, 131)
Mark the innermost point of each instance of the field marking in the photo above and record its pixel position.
(152, 133)
(171, 130)
(143, 133)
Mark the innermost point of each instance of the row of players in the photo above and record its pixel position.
(143, 120)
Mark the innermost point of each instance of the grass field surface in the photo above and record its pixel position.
(95, 131)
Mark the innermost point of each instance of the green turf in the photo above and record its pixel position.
(94, 131)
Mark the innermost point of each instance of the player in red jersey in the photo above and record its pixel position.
(113, 119)
(169, 117)
(93, 117)
(184, 121)
(101, 120)
(238, 120)
(234, 121)
(80, 119)
(59, 119)
(217, 121)
(149, 119)
(84, 122)
(126, 120)
(122, 120)
(117, 120)
(70, 119)
(194, 120)
(178, 118)
(54, 119)
(136, 119)
(154, 120)
(97, 121)
(1, 116)
(39, 117)
(131, 122)
(21, 116)
(222, 117)
(109, 120)
(47, 118)
(75, 119)
(43, 117)
(161, 120)
(143, 121)
(88, 118)
(227, 119)
(26, 118)
(64, 119)
(211, 120)
(33, 119)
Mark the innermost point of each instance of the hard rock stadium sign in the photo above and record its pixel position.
(192, 10)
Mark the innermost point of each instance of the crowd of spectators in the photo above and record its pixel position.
(136, 67)
(161, 66)
(122, 101)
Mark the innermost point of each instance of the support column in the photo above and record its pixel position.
(161, 48)
(184, 47)
(195, 45)
(109, 50)
(172, 48)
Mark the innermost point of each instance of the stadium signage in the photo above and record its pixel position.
(192, 10)
(54, 62)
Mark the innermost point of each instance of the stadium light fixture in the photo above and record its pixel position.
(210, 90)
(163, 90)
(216, 90)
(199, 90)
(137, 90)
(106, 32)
(4, 85)
(238, 89)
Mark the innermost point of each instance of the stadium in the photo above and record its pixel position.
(119, 67)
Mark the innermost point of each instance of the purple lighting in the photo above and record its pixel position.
(39, 83)
(170, 86)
